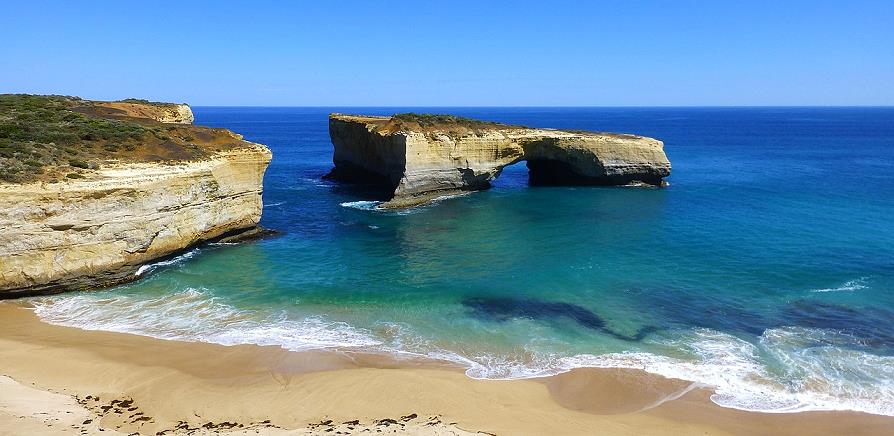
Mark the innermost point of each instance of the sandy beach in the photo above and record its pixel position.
(60, 380)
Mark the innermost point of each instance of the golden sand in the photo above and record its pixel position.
(65, 380)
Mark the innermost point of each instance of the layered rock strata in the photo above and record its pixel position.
(98, 228)
(172, 113)
(421, 157)
(97, 231)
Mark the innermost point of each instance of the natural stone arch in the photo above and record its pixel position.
(422, 159)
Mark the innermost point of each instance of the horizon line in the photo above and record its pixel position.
(548, 107)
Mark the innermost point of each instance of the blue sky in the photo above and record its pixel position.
(454, 53)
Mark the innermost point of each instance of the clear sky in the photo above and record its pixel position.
(454, 53)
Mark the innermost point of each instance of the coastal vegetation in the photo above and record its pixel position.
(88, 189)
(430, 120)
(440, 122)
(143, 101)
(43, 131)
(50, 137)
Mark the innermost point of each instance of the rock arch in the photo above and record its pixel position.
(418, 159)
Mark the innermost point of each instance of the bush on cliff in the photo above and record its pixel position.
(43, 136)
(443, 121)
(42, 131)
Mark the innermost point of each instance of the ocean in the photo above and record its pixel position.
(765, 269)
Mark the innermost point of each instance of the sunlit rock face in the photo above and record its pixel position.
(97, 231)
(419, 158)
(176, 186)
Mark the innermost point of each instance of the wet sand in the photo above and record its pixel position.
(65, 380)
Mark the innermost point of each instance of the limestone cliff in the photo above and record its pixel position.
(97, 225)
(420, 157)
(161, 112)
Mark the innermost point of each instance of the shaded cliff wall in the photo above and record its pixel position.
(361, 155)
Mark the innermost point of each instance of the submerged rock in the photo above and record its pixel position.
(422, 157)
(502, 309)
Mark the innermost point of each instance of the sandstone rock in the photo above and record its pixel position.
(119, 189)
(419, 158)
(97, 231)
(172, 113)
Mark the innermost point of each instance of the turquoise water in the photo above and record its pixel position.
(766, 269)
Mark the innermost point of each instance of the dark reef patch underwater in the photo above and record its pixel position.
(763, 270)
(506, 309)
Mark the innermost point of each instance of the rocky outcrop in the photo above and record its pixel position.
(97, 231)
(172, 113)
(123, 190)
(421, 157)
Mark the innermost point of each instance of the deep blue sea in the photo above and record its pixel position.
(765, 270)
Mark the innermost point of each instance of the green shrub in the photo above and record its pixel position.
(42, 131)
(429, 120)
(77, 163)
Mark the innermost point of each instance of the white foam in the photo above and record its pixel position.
(848, 286)
(815, 376)
(195, 315)
(149, 267)
(280, 203)
(450, 196)
(315, 181)
(374, 205)
(362, 205)
(788, 370)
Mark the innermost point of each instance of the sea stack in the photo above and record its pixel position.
(418, 158)
(90, 191)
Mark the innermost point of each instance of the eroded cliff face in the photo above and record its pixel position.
(421, 161)
(90, 191)
(171, 113)
(97, 231)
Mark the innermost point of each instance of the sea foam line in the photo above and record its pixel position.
(848, 286)
(817, 376)
(149, 267)
(374, 205)
(361, 205)
(195, 315)
(823, 378)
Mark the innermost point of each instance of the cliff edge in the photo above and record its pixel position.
(421, 157)
(90, 191)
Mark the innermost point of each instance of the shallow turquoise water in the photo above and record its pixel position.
(766, 269)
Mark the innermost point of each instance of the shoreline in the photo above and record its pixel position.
(173, 383)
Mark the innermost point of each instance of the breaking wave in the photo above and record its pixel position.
(789, 369)
(362, 205)
(195, 315)
(149, 267)
(848, 286)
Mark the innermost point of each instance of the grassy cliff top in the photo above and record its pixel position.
(144, 101)
(441, 120)
(51, 137)
(430, 123)
(452, 124)
(426, 123)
